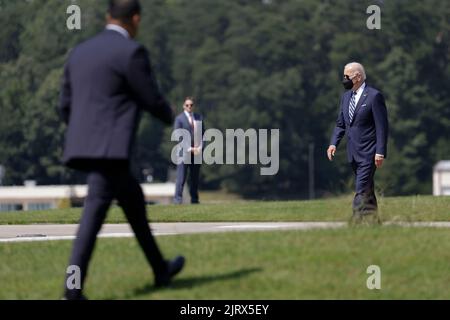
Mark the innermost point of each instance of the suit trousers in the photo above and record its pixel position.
(365, 201)
(194, 175)
(104, 185)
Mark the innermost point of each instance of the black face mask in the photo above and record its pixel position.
(347, 83)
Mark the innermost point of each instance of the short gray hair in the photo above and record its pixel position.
(358, 67)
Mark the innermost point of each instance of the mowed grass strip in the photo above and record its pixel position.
(412, 208)
(316, 264)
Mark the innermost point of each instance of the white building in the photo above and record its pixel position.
(31, 197)
(441, 178)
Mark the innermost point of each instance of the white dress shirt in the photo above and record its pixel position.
(190, 116)
(118, 29)
(359, 93)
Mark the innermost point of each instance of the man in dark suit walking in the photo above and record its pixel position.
(363, 118)
(192, 122)
(107, 83)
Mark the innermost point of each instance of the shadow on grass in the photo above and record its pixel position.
(190, 282)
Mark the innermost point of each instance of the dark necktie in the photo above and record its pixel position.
(191, 122)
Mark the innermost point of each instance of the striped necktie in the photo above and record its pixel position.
(352, 106)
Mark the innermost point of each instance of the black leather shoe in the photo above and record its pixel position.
(173, 267)
(77, 297)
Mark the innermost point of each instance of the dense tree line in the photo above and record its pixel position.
(251, 64)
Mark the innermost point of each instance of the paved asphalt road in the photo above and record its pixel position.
(47, 232)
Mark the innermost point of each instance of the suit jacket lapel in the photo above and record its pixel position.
(186, 120)
(360, 102)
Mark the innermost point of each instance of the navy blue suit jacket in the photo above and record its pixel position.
(367, 134)
(182, 122)
(107, 83)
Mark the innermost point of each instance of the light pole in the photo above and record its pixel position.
(311, 170)
(2, 174)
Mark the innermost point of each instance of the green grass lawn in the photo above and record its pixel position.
(316, 264)
(412, 208)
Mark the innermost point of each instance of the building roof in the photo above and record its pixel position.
(76, 191)
(443, 165)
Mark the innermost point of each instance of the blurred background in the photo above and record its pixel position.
(250, 64)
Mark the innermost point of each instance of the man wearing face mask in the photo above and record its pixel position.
(363, 119)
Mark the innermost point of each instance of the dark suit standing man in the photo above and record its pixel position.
(107, 83)
(363, 118)
(193, 122)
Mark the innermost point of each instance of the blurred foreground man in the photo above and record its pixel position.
(363, 118)
(107, 83)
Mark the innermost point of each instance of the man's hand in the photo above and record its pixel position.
(330, 152)
(196, 151)
(379, 160)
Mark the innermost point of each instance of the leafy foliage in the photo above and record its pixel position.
(251, 64)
